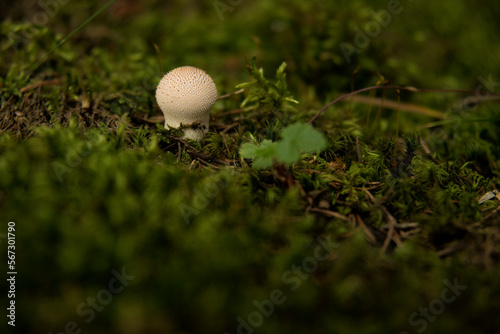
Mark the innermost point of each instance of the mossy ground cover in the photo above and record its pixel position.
(122, 227)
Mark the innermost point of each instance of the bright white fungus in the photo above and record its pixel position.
(185, 95)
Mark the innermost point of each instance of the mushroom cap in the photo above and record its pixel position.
(186, 95)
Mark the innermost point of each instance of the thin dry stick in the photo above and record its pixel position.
(367, 231)
(354, 74)
(411, 89)
(229, 127)
(224, 140)
(179, 151)
(158, 52)
(358, 149)
(399, 111)
(332, 214)
(6, 104)
(492, 215)
(392, 223)
(151, 120)
(369, 194)
(208, 164)
(424, 146)
(227, 113)
(304, 195)
(432, 124)
(378, 116)
(369, 108)
(390, 104)
(40, 84)
(225, 96)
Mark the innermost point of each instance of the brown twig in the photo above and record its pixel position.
(54, 82)
(201, 158)
(392, 223)
(224, 140)
(228, 113)
(158, 52)
(208, 164)
(369, 188)
(358, 149)
(225, 96)
(401, 226)
(411, 89)
(199, 155)
(369, 194)
(492, 215)
(229, 127)
(424, 146)
(304, 194)
(310, 171)
(389, 104)
(409, 233)
(179, 152)
(332, 214)
(367, 231)
(451, 248)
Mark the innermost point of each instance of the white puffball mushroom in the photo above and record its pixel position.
(185, 95)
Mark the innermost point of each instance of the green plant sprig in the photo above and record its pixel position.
(295, 139)
(267, 97)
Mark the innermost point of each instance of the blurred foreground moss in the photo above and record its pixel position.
(120, 209)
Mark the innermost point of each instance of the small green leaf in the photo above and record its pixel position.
(262, 163)
(287, 152)
(245, 84)
(248, 151)
(295, 139)
(262, 154)
(298, 138)
(281, 69)
(308, 139)
(290, 100)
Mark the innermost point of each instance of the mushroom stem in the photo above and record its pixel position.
(191, 131)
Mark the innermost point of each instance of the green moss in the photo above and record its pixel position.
(387, 214)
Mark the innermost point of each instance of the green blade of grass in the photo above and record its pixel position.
(62, 41)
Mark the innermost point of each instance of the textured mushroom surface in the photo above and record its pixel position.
(185, 95)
